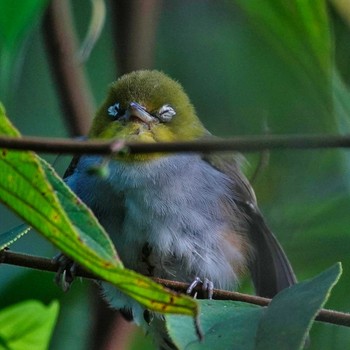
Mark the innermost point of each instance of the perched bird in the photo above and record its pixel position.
(185, 216)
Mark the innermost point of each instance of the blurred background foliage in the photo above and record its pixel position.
(249, 66)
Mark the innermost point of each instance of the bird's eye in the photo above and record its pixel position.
(115, 111)
(166, 113)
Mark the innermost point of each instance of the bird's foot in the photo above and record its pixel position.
(207, 287)
(66, 271)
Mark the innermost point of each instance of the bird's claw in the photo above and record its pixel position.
(193, 285)
(207, 287)
(66, 271)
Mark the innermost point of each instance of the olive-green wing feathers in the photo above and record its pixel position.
(269, 266)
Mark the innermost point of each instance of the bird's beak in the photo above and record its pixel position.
(136, 112)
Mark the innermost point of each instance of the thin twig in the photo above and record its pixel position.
(62, 49)
(263, 163)
(62, 146)
(98, 17)
(264, 158)
(242, 144)
(44, 264)
(324, 315)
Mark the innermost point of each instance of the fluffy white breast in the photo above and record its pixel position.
(165, 216)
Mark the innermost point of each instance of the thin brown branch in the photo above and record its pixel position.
(62, 146)
(111, 330)
(44, 264)
(119, 335)
(135, 25)
(62, 49)
(241, 144)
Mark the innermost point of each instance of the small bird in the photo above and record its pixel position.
(183, 216)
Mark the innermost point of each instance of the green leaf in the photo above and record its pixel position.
(288, 319)
(299, 32)
(284, 324)
(31, 188)
(6, 127)
(84, 222)
(27, 325)
(16, 20)
(226, 325)
(12, 235)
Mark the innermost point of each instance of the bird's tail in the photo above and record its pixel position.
(270, 268)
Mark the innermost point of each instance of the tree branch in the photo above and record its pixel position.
(135, 25)
(62, 50)
(44, 264)
(241, 144)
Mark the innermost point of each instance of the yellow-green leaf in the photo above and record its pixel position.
(12, 235)
(17, 19)
(27, 325)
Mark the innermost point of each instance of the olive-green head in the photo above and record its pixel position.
(147, 106)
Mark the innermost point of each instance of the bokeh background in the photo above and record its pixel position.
(250, 67)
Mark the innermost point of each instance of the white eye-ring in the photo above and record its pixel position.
(166, 113)
(113, 110)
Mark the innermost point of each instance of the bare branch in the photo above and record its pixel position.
(241, 144)
(71, 83)
(135, 24)
(44, 264)
(63, 146)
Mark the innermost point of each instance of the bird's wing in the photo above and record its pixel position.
(269, 265)
(71, 167)
(75, 160)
